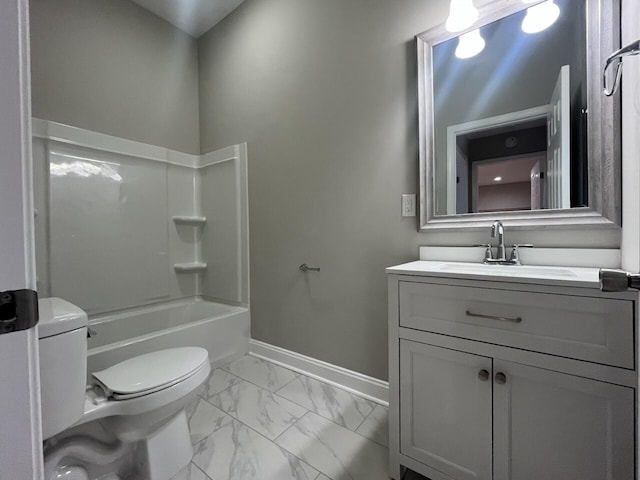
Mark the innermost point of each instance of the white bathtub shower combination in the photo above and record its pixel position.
(222, 329)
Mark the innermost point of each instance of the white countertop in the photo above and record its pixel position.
(581, 277)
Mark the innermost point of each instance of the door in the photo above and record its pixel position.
(550, 425)
(445, 411)
(558, 169)
(20, 437)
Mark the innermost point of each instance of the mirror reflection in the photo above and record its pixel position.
(510, 102)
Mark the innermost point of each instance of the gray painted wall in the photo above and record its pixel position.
(113, 67)
(324, 92)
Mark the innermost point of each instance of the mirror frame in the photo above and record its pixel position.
(604, 146)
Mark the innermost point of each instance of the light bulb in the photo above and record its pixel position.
(470, 44)
(540, 17)
(462, 14)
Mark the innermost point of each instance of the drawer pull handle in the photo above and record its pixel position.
(494, 317)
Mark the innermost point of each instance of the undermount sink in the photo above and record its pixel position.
(510, 270)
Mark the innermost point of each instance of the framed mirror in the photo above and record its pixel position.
(512, 119)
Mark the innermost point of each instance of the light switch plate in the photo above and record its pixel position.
(408, 204)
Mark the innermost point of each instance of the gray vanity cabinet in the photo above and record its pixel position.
(468, 403)
(456, 440)
(556, 426)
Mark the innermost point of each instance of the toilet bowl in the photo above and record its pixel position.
(139, 401)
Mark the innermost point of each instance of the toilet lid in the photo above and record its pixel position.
(151, 372)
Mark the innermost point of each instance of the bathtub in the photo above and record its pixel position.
(222, 329)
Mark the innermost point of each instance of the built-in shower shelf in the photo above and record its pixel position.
(189, 267)
(189, 220)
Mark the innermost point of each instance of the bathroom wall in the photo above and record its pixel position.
(113, 67)
(324, 92)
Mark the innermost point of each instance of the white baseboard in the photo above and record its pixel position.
(362, 385)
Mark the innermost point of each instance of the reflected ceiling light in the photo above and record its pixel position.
(462, 14)
(470, 44)
(497, 179)
(540, 17)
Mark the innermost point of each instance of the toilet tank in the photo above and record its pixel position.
(62, 332)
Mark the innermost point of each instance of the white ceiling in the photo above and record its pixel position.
(192, 16)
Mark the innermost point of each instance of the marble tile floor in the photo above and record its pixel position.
(254, 420)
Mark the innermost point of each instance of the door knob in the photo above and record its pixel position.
(501, 378)
(483, 375)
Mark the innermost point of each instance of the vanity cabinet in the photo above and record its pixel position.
(445, 401)
(492, 380)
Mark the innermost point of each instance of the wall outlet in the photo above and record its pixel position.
(408, 204)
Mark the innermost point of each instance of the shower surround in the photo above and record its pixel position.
(121, 225)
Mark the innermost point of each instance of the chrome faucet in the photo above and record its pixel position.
(498, 229)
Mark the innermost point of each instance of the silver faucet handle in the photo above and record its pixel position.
(488, 253)
(515, 257)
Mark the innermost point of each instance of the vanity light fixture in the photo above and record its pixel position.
(497, 179)
(540, 17)
(470, 44)
(462, 14)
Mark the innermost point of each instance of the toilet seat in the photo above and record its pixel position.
(150, 373)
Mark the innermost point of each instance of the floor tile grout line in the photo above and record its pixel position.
(249, 426)
(339, 386)
(242, 379)
(324, 473)
(279, 446)
(195, 450)
(274, 441)
(300, 374)
(355, 430)
(257, 386)
(209, 377)
(207, 477)
(298, 404)
(339, 425)
(268, 440)
(216, 428)
(291, 426)
(320, 414)
(320, 472)
(264, 388)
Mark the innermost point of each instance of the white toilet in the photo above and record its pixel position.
(139, 400)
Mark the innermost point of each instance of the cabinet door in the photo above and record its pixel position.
(549, 425)
(445, 411)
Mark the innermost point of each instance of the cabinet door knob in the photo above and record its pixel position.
(483, 375)
(501, 378)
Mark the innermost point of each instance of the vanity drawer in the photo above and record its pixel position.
(585, 328)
